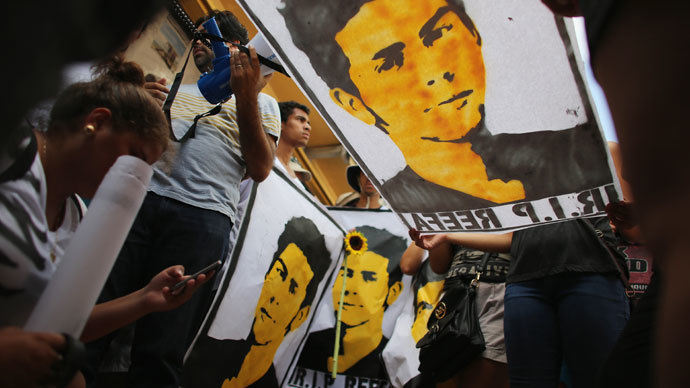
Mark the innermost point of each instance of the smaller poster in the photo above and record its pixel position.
(375, 293)
(286, 253)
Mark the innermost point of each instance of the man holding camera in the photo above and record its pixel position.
(192, 201)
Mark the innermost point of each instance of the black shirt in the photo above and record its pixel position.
(571, 246)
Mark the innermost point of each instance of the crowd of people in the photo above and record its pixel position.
(553, 310)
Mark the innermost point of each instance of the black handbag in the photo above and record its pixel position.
(454, 338)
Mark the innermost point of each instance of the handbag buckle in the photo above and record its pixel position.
(630, 292)
(475, 281)
(440, 310)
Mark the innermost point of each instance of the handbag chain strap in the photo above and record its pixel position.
(629, 291)
(480, 270)
(441, 308)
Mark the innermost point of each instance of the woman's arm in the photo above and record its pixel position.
(440, 252)
(411, 259)
(156, 296)
(499, 243)
(622, 214)
(440, 258)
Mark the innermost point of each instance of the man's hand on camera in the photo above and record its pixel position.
(158, 90)
(245, 74)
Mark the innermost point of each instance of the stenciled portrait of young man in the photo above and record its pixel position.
(277, 273)
(450, 105)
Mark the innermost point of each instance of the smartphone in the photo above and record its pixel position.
(215, 265)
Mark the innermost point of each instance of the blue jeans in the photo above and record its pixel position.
(576, 317)
(166, 232)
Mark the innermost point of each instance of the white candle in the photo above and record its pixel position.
(69, 297)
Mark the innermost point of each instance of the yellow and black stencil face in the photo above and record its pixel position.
(366, 288)
(417, 66)
(427, 297)
(282, 295)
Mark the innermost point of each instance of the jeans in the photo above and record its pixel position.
(166, 232)
(576, 317)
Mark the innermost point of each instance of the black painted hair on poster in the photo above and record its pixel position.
(302, 232)
(388, 245)
(313, 27)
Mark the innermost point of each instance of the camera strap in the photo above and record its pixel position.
(262, 60)
(191, 132)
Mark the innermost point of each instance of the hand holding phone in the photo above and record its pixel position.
(181, 284)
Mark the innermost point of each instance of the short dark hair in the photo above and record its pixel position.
(286, 108)
(302, 232)
(328, 17)
(228, 24)
(388, 245)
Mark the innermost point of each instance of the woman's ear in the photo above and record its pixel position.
(98, 118)
(353, 105)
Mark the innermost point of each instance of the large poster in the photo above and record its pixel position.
(467, 115)
(286, 253)
(375, 292)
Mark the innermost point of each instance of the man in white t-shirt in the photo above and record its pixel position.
(191, 206)
(295, 130)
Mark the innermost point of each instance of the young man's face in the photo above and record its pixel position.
(296, 130)
(366, 288)
(422, 71)
(284, 290)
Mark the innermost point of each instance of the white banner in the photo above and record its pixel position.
(449, 105)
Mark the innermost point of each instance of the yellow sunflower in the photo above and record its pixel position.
(355, 242)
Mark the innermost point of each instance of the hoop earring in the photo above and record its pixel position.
(89, 128)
